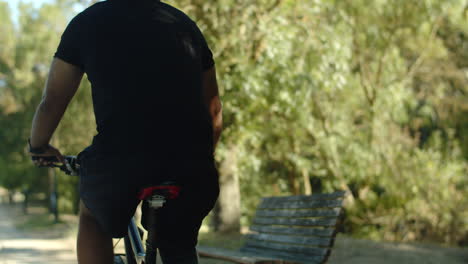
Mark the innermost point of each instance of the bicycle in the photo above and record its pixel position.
(155, 196)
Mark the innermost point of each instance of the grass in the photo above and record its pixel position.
(229, 241)
(360, 251)
(38, 222)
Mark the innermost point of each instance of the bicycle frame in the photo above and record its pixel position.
(155, 197)
(136, 242)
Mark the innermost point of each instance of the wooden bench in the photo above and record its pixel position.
(291, 229)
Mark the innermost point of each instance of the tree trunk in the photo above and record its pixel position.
(50, 176)
(293, 184)
(226, 216)
(10, 197)
(54, 195)
(307, 185)
(25, 201)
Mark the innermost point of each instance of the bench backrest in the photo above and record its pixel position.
(295, 228)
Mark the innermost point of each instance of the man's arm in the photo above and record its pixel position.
(211, 96)
(62, 83)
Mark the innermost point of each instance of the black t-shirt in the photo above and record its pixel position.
(145, 61)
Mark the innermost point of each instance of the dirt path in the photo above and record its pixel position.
(17, 247)
(50, 246)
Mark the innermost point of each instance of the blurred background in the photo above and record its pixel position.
(370, 97)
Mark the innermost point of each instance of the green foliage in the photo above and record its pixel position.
(365, 96)
(25, 53)
(346, 94)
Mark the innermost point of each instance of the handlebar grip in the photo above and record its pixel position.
(70, 166)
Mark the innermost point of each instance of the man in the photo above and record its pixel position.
(158, 118)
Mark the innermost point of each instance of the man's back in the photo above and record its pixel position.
(145, 61)
(158, 115)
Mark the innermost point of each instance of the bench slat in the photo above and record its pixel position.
(286, 247)
(307, 198)
(325, 232)
(280, 204)
(295, 221)
(309, 241)
(299, 213)
(285, 256)
(234, 256)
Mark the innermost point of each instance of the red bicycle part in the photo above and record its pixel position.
(170, 191)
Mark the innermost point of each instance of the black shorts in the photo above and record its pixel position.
(109, 188)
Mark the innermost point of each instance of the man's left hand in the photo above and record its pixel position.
(49, 151)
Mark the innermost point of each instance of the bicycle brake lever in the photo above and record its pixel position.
(67, 168)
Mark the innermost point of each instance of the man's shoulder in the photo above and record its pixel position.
(103, 8)
(177, 13)
(95, 9)
(92, 11)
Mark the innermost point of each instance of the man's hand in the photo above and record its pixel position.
(49, 151)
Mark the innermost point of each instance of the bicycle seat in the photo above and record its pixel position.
(158, 194)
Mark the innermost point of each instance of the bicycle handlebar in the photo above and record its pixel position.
(70, 167)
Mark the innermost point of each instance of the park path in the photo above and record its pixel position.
(17, 247)
(47, 247)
